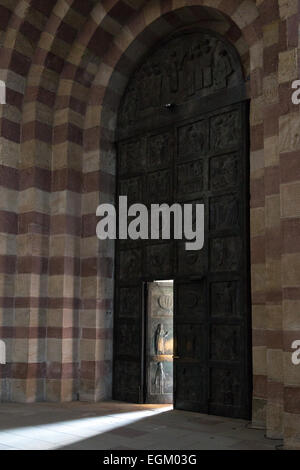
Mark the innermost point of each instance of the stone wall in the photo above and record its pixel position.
(66, 64)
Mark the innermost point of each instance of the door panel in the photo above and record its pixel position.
(128, 344)
(191, 343)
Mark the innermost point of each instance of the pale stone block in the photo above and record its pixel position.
(270, 88)
(290, 200)
(7, 285)
(287, 8)
(259, 410)
(20, 350)
(271, 34)
(274, 316)
(259, 320)
(274, 420)
(88, 287)
(8, 199)
(9, 153)
(291, 372)
(291, 270)
(275, 365)
(258, 277)
(259, 361)
(291, 431)
(68, 391)
(271, 151)
(273, 274)
(291, 318)
(34, 200)
(54, 350)
(272, 211)
(245, 14)
(289, 132)
(88, 350)
(287, 69)
(257, 222)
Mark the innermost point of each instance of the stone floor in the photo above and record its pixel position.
(119, 426)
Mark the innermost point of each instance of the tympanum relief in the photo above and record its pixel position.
(185, 67)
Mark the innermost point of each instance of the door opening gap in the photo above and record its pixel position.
(159, 370)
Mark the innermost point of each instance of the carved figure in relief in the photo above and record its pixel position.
(224, 173)
(129, 111)
(130, 264)
(203, 64)
(158, 185)
(225, 214)
(196, 138)
(220, 248)
(160, 340)
(159, 149)
(171, 73)
(133, 154)
(131, 188)
(144, 95)
(189, 72)
(160, 378)
(225, 298)
(222, 67)
(178, 71)
(155, 85)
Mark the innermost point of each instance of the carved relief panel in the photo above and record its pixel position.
(225, 131)
(193, 140)
(190, 178)
(191, 262)
(159, 261)
(160, 151)
(226, 254)
(225, 342)
(224, 172)
(132, 188)
(225, 299)
(225, 213)
(159, 187)
(191, 301)
(130, 265)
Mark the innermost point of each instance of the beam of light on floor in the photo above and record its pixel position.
(63, 433)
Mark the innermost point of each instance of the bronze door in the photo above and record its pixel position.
(184, 138)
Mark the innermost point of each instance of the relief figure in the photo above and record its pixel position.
(160, 378)
(160, 339)
(222, 68)
(203, 65)
(189, 73)
(171, 74)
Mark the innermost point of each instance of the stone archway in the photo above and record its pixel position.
(68, 63)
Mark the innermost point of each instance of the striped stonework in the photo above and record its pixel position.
(66, 64)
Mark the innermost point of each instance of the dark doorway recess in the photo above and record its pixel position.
(183, 137)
